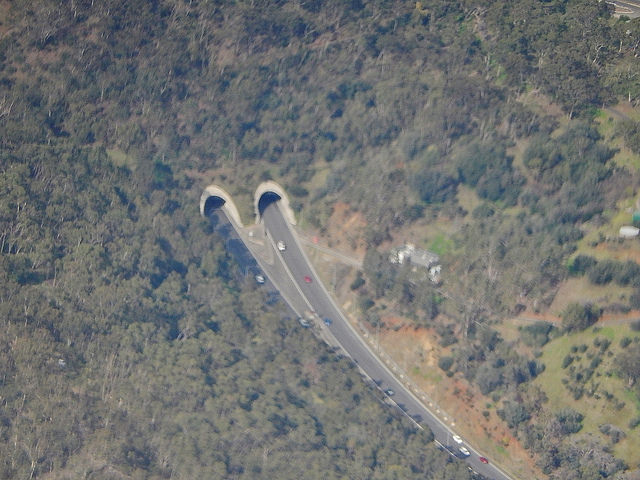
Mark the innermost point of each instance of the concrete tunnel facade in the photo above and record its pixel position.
(215, 197)
(267, 192)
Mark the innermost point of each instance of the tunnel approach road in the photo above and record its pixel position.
(310, 286)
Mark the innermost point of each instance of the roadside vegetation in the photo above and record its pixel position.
(132, 345)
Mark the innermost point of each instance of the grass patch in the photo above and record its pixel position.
(121, 159)
(607, 123)
(468, 198)
(441, 244)
(432, 377)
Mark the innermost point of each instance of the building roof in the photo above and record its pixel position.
(415, 256)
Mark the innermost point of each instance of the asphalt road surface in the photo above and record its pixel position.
(629, 8)
(324, 307)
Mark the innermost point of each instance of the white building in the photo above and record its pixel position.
(628, 232)
(418, 258)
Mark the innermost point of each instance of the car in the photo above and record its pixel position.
(259, 279)
(483, 460)
(304, 322)
(307, 279)
(390, 392)
(327, 321)
(464, 451)
(457, 439)
(281, 246)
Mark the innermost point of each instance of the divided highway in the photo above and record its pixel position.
(310, 286)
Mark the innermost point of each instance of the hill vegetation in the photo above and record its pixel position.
(132, 346)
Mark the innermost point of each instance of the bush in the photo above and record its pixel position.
(514, 414)
(581, 265)
(447, 336)
(445, 363)
(537, 335)
(577, 317)
(366, 303)
(570, 420)
(635, 325)
(628, 273)
(630, 131)
(435, 186)
(613, 432)
(566, 361)
(634, 299)
(603, 272)
(604, 345)
(624, 342)
(484, 210)
(488, 378)
(357, 282)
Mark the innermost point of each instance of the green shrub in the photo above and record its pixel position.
(445, 363)
(581, 265)
(357, 282)
(566, 361)
(578, 317)
(537, 334)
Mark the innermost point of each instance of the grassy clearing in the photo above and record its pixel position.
(441, 244)
(580, 290)
(607, 123)
(121, 159)
(612, 403)
(468, 198)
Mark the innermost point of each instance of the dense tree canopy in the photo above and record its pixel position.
(133, 346)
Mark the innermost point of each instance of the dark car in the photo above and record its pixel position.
(328, 321)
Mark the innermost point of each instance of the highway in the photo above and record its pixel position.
(629, 8)
(310, 286)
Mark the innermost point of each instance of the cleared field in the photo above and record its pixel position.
(606, 399)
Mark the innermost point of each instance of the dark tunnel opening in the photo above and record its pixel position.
(267, 199)
(212, 203)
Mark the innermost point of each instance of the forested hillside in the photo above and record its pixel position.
(132, 347)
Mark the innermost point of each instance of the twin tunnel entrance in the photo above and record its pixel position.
(214, 197)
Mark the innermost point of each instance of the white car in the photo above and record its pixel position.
(281, 246)
(464, 451)
(304, 322)
(457, 439)
(259, 279)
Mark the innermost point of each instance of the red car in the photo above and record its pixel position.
(483, 460)
(307, 278)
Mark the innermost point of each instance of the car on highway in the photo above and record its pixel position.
(464, 451)
(281, 245)
(390, 392)
(307, 279)
(327, 321)
(483, 460)
(457, 439)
